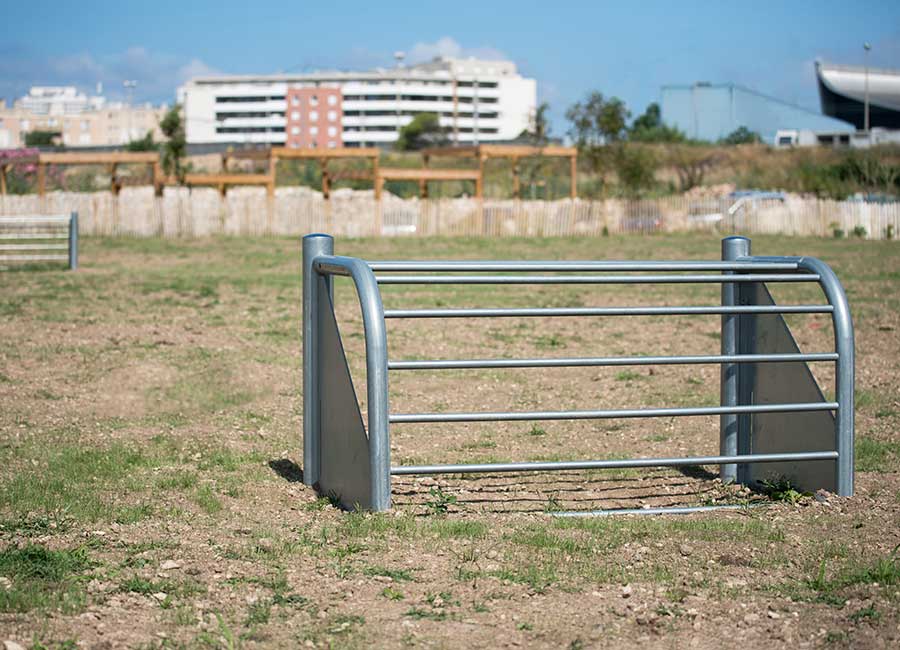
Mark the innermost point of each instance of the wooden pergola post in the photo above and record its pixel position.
(326, 179)
(377, 182)
(3, 171)
(479, 183)
(114, 184)
(273, 166)
(42, 178)
(573, 176)
(423, 184)
(515, 175)
(158, 180)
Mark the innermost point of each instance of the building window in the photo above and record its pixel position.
(313, 115)
(332, 100)
(332, 131)
(295, 100)
(314, 130)
(332, 116)
(295, 130)
(314, 100)
(332, 144)
(295, 145)
(295, 115)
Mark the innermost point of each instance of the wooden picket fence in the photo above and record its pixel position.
(202, 212)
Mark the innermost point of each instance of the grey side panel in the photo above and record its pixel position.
(772, 433)
(344, 472)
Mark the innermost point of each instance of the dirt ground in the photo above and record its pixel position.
(151, 494)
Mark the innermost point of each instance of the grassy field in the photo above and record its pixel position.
(150, 439)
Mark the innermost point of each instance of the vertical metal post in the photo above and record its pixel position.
(73, 241)
(844, 376)
(732, 249)
(313, 246)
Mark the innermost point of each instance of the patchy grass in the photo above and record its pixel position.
(42, 578)
(877, 455)
(151, 410)
(80, 482)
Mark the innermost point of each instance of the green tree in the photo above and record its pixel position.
(597, 120)
(636, 167)
(424, 130)
(175, 146)
(691, 162)
(147, 143)
(42, 138)
(649, 127)
(741, 135)
(538, 131)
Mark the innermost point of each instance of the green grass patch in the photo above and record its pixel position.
(172, 588)
(79, 482)
(206, 499)
(177, 480)
(398, 575)
(43, 578)
(877, 455)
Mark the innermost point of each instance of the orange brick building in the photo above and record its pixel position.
(313, 118)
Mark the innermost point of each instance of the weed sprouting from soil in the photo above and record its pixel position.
(781, 489)
(440, 501)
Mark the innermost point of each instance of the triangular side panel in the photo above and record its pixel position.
(785, 382)
(344, 471)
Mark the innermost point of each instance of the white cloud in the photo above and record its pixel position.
(449, 47)
(158, 74)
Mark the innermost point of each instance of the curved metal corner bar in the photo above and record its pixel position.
(844, 375)
(321, 264)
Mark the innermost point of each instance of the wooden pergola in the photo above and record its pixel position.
(484, 152)
(324, 157)
(6, 166)
(426, 174)
(112, 159)
(224, 181)
(377, 175)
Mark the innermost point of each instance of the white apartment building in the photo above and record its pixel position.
(58, 100)
(476, 101)
(80, 120)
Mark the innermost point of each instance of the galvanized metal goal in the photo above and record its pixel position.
(39, 239)
(774, 418)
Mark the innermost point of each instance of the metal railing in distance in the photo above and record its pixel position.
(35, 239)
(772, 412)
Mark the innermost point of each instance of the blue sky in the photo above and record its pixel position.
(626, 49)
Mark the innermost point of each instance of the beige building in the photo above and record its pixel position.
(81, 121)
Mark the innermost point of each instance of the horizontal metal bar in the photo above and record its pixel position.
(555, 466)
(511, 416)
(665, 510)
(35, 220)
(609, 361)
(607, 311)
(33, 247)
(35, 235)
(569, 266)
(331, 269)
(595, 279)
(31, 258)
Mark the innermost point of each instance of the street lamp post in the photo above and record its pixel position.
(130, 85)
(867, 47)
(399, 56)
